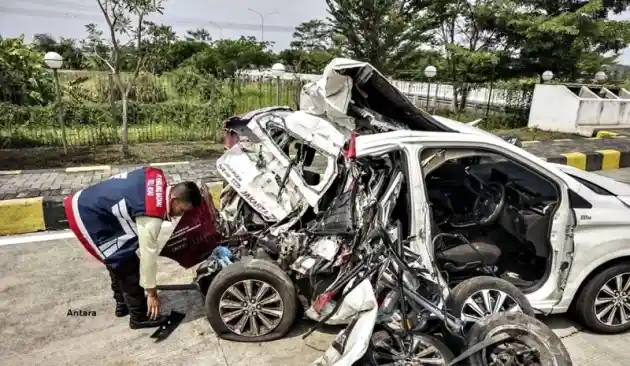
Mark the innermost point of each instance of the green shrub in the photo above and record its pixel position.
(97, 124)
(147, 88)
(189, 83)
(82, 114)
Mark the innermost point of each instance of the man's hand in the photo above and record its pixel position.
(153, 304)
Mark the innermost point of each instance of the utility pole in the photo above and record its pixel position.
(220, 29)
(262, 22)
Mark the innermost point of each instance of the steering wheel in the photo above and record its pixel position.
(489, 204)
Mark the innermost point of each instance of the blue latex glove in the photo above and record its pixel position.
(222, 255)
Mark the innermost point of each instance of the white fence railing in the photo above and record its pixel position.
(418, 91)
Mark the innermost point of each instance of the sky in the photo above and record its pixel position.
(223, 19)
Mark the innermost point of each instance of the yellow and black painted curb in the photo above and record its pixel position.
(609, 159)
(29, 215)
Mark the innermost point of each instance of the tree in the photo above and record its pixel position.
(23, 80)
(125, 17)
(303, 62)
(94, 44)
(386, 33)
(312, 48)
(568, 37)
(226, 57)
(312, 35)
(73, 58)
(158, 46)
(199, 35)
(472, 49)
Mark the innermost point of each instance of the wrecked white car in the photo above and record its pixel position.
(556, 233)
(361, 206)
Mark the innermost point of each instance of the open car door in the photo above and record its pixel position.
(195, 236)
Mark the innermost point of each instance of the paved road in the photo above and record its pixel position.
(41, 281)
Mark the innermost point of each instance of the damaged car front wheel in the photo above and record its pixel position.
(251, 301)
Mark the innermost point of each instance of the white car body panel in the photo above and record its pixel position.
(600, 233)
(319, 134)
(258, 187)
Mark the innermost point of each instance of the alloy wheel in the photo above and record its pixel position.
(612, 303)
(251, 308)
(487, 302)
(521, 349)
(414, 350)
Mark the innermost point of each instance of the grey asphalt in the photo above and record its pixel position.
(41, 281)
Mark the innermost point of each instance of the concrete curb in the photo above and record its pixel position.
(29, 215)
(598, 160)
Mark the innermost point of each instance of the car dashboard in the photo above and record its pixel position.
(529, 202)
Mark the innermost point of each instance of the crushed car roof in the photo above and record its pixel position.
(345, 79)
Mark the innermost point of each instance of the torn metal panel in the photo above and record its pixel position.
(258, 186)
(316, 133)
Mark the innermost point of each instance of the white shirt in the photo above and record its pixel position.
(151, 239)
(149, 247)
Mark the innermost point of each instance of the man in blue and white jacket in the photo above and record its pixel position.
(116, 217)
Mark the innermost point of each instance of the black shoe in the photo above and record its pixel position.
(145, 322)
(121, 310)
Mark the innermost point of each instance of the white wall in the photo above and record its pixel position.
(556, 108)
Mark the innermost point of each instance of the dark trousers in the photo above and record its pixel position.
(126, 287)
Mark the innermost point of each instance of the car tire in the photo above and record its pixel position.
(585, 304)
(527, 330)
(386, 337)
(272, 320)
(476, 287)
(456, 302)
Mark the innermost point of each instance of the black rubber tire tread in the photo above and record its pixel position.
(368, 360)
(463, 290)
(254, 269)
(586, 299)
(552, 350)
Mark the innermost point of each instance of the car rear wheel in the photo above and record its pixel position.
(603, 305)
(251, 301)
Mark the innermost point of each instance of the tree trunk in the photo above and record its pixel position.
(464, 97)
(125, 129)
